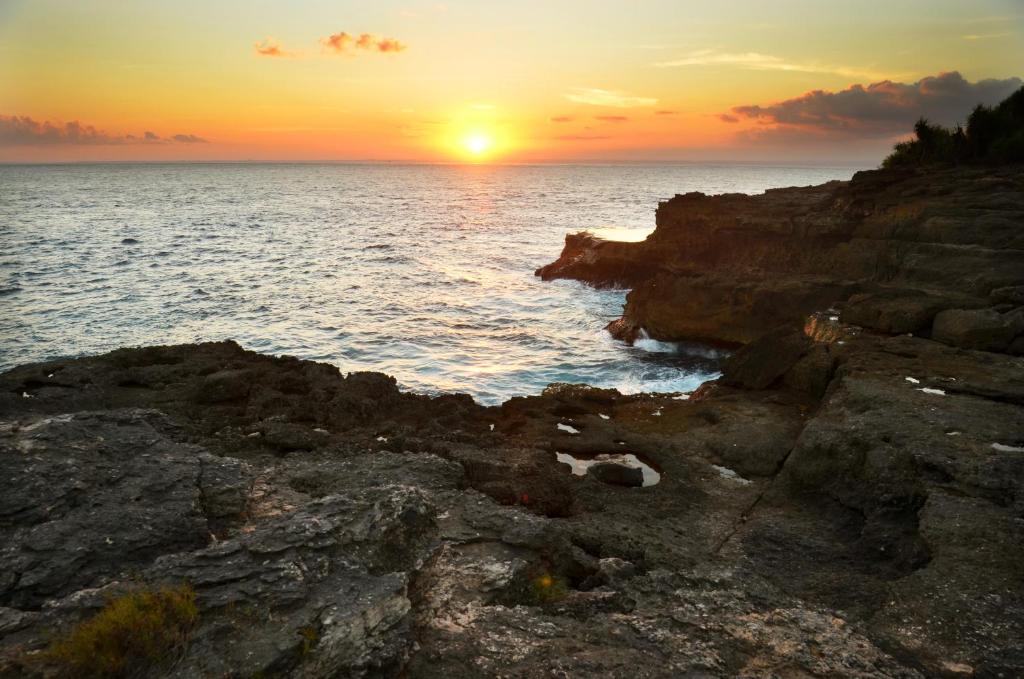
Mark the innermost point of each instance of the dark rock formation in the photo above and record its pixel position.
(334, 526)
(617, 474)
(892, 248)
(984, 329)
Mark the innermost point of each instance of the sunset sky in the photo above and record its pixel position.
(525, 81)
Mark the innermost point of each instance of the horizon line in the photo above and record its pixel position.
(253, 161)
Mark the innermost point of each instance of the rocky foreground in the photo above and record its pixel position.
(846, 501)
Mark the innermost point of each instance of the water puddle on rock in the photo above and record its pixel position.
(582, 465)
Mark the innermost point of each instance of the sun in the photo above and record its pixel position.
(478, 143)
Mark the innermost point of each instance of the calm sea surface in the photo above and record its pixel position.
(423, 272)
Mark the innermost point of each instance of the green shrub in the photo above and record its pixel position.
(134, 632)
(993, 135)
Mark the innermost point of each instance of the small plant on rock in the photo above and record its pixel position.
(130, 635)
(548, 588)
(310, 637)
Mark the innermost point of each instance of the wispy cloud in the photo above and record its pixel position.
(985, 36)
(268, 47)
(347, 43)
(561, 119)
(881, 109)
(408, 13)
(25, 131)
(581, 137)
(612, 119)
(757, 61)
(612, 98)
(666, 113)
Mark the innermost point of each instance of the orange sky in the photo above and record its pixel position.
(547, 81)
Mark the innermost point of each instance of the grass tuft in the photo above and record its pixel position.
(131, 634)
(310, 637)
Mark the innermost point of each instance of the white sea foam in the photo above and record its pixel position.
(645, 343)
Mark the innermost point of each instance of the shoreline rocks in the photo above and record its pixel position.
(822, 517)
(890, 249)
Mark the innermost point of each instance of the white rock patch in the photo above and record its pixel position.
(569, 429)
(727, 473)
(579, 466)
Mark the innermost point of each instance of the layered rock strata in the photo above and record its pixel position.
(891, 249)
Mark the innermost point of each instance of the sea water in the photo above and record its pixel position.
(424, 272)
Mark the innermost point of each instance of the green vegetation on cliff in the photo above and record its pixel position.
(994, 134)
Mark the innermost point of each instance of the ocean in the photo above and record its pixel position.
(424, 272)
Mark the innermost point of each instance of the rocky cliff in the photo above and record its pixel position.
(892, 249)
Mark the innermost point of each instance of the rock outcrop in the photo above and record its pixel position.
(891, 249)
(822, 516)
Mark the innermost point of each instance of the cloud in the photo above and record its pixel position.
(666, 113)
(756, 61)
(727, 118)
(189, 139)
(985, 36)
(346, 43)
(269, 47)
(26, 131)
(390, 45)
(17, 130)
(882, 109)
(612, 98)
(612, 119)
(338, 42)
(561, 119)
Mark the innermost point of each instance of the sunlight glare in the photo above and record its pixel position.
(477, 143)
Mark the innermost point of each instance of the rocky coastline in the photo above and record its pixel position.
(892, 249)
(845, 501)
